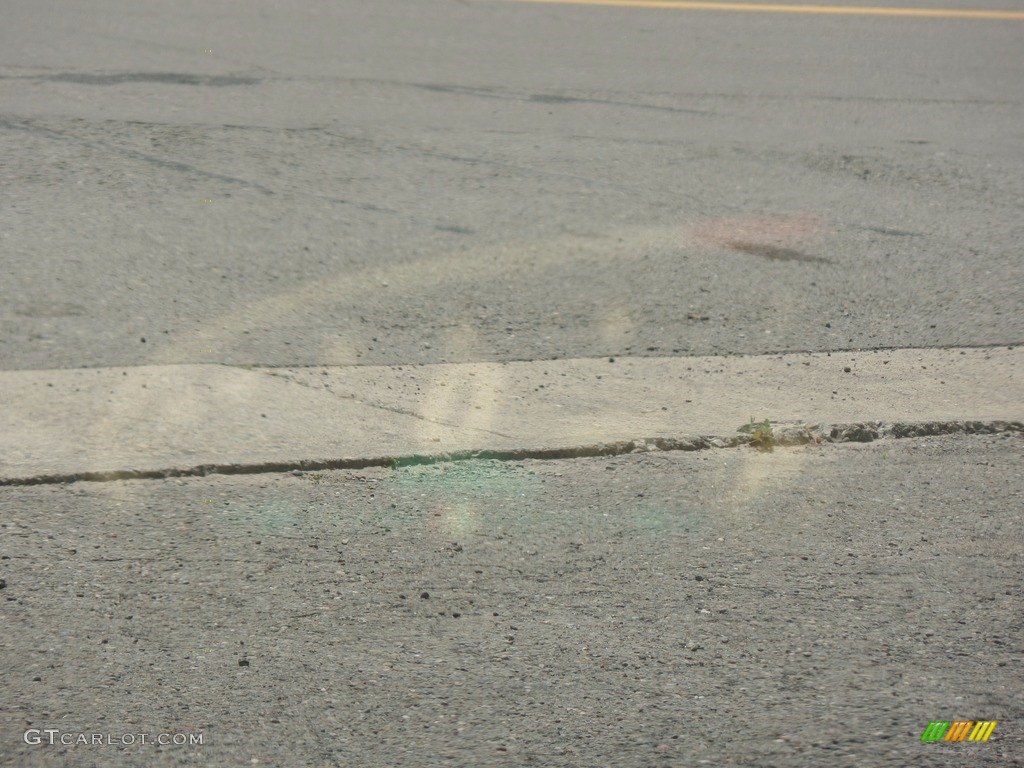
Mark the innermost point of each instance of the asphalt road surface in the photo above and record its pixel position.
(201, 202)
(798, 608)
(426, 181)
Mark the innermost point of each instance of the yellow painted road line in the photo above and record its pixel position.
(836, 10)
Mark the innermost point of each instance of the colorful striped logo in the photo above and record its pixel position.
(958, 730)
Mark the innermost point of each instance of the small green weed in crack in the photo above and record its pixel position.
(412, 461)
(762, 437)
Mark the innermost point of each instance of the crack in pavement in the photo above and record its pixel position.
(389, 408)
(818, 434)
(168, 420)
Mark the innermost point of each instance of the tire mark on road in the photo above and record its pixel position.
(547, 98)
(176, 165)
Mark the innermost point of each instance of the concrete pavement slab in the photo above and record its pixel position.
(65, 424)
(68, 424)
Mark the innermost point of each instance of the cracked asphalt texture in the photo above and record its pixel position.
(809, 606)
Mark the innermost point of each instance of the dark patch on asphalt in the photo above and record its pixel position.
(451, 228)
(460, 89)
(546, 98)
(892, 232)
(50, 309)
(774, 252)
(165, 78)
